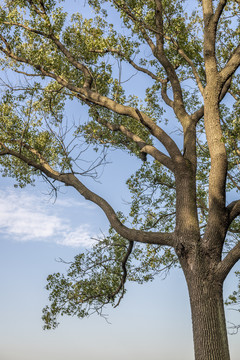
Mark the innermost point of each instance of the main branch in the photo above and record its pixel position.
(71, 180)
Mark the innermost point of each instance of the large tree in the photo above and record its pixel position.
(185, 55)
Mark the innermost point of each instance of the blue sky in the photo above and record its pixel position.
(152, 322)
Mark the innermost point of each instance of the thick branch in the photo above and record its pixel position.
(234, 210)
(144, 147)
(210, 27)
(231, 66)
(228, 262)
(160, 134)
(219, 10)
(130, 234)
(72, 180)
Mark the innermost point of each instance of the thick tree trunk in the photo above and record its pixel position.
(208, 319)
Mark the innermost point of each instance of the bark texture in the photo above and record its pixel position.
(208, 318)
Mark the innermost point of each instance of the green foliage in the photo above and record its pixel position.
(113, 48)
(153, 197)
(96, 277)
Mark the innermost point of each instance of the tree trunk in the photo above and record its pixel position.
(208, 319)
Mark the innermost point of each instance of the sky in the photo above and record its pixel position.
(36, 230)
(152, 322)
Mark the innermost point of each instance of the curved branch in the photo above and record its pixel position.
(86, 94)
(127, 233)
(219, 10)
(233, 210)
(228, 262)
(231, 66)
(72, 180)
(165, 96)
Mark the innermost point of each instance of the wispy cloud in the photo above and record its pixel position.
(78, 237)
(25, 217)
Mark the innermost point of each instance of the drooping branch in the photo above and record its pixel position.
(124, 275)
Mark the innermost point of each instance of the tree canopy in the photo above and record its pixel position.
(184, 57)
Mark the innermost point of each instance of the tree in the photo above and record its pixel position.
(188, 53)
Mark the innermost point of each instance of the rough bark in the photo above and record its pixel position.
(208, 320)
(207, 308)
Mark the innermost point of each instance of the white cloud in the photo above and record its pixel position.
(26, 217)
(78, 237)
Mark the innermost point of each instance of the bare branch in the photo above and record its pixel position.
(130, 61)
(233, 181)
